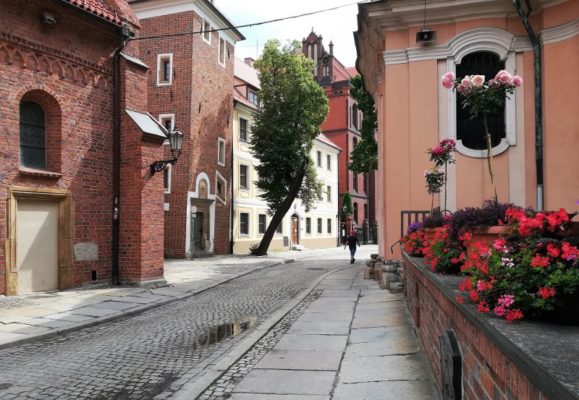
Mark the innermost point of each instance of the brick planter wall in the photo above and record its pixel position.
(495, 364)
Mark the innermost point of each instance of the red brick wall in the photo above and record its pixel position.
(201, 99)
(487, 372)
(67, 68)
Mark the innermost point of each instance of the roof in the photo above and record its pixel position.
(114, 11)
(352, 71)
(147, 123)
(246, 73)
(324, 139)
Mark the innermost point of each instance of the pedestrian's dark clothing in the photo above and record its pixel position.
(352, 241)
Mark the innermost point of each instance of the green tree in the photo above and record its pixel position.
(292, 108)
(364, 157)
(347, 205)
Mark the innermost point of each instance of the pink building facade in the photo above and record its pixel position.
(415, 111)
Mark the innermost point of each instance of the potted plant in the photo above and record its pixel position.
(480, 99)
(533, 271)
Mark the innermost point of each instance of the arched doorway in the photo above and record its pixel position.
(295, 229)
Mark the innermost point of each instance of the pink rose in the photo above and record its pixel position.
(517, 80)
(494, 84)
(504, 77)
(466, 82)
(448, 80)
(459, 88)
(478, 80)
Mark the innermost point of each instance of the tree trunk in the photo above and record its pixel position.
(281, 212)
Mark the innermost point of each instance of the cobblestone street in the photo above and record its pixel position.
(139, 357)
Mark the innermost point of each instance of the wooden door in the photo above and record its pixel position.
(295, 230)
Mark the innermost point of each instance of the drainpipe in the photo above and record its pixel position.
(232, 203)
(537, 53)
(125, 35)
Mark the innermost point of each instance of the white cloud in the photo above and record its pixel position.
(337, 25)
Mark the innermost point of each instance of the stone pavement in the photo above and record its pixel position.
(29, 317)
(353, 341)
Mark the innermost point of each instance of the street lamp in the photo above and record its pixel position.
(176, 141)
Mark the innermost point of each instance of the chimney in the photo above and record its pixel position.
(331, 48)
(249, 61)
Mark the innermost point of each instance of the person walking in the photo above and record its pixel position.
(351, 242)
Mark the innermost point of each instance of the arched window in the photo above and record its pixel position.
(356, 213)
(355, 116)
(365, 211)
(471, 131)
(32, 135)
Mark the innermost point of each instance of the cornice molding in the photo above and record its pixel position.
(560, 33)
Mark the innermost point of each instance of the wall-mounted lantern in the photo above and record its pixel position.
(176, 141)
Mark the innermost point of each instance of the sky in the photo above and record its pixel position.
(337, 25)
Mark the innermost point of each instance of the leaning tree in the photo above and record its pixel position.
(292, 108)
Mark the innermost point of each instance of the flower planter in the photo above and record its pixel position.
(430, 233)
(486, 236)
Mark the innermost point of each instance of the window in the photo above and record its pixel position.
(329, 162)
(252, 97)
(243, 223)
(319, 225)
(32, 136)
(355, 143)
(320, 195)
(356, 213)
(243, 129)
(365, 211)
(222, 51)
(243, 176)
(365, 180)
(355, 181)
(308, 225)
(164, 69)
(471, 131)
(221, 187)
(329, 225)
(168, 121)
(279, 228)
(319, 158)
(221, 151)
(262, 224)
(206, 28)
(167, 178)
(329, 194)
(355, 116)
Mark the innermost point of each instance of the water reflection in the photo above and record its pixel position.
(221, 332)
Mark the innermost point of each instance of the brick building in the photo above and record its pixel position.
(342, 125)
(190, 85)
(73, 206)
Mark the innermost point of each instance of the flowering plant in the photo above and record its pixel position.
(413, 242)
(443, 253)
(530, 272)
(434, 180)
(483, 98)
(441, 154)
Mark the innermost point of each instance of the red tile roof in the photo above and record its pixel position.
(352, 71)
(115, 11)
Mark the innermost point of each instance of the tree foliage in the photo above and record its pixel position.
(364, 157)
(292, 108)
(347, 207)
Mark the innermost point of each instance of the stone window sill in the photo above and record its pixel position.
(39, 173)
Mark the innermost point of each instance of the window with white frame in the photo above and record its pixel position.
(167, 179)
(244, 223)
(168, 121)
(329, 193)
(308, 225)
(329, 225)
(243, 177)
(252, 97)
(319, 225)
(329, 162)
(262, 223)
(206, 29)
(222, 51)
(221, 151)
(319, 158)
(164, 69)
(354, 117)
(243, 130)
(220, 187)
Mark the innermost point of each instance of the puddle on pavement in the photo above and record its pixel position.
(221, 332)
(4, 386)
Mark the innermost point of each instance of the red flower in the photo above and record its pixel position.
(568, 252)
(459, 299)
(553, 251)
(513, 315)
(546, 292)
(540, 261)
(499, 244)
(465, 285)
(482, 286)
(465, 236)
(482, 307)
(473, 295)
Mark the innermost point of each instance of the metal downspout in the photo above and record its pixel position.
(537, 53)
(125, 34)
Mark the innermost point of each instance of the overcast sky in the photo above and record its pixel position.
(337, 25)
